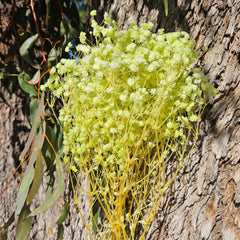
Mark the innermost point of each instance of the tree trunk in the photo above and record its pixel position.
(14, 129)
(14, 126)
(203, 202)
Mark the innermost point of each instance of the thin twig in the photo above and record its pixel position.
(37, 28)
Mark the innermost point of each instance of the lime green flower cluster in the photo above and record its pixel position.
(128, 98)
(131, 81)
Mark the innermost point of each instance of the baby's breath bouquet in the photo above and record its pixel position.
(131, 105)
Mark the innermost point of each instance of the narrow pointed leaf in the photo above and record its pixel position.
(22, 80)
(35, 78)
(56, 194)
(47, 2)
(95, 221)
(60, 232)
(26, 46)
(53, 54)
(9, 222)
(24, 224)
(28, 175)
(34, 128)
(3, 233)
(64, 214)
(33, 105)
(3, 230)
(166, 6)
(38, 176)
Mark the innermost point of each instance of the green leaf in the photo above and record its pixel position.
(3, 230)
(52, 137)
(25, 47)
(53, 54)
(64, 27)
(56, 194)
(95, 221)
(59, 133)
(47, 2)
(50, 179)
(24, 224)
(3, 233)
(9, 222)
(33, 105)
(23, 79)
(60, 232)
(34, 128)
(29, 173)
(38, 176)
(1, 5)
(165, 2)
(35, 78)
(64, 214)
(61, 219)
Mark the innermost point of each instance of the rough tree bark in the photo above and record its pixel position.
(14, 126)
(203, 202)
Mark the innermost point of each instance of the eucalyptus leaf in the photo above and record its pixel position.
(3, 233)
(95, 221)
(33, 109)
(34, 128)
(47, 2)
(28, 174)
(53, 54)
(23, 79)
(56, 194)
(64, 27)
(9, 221)
(38, 176)
(24, 224)
(60, 232)
(48, 152)
(64, 214)
(165, 2)
(24, 49)
(35, 78)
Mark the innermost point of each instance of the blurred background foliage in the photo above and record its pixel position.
(33, 34)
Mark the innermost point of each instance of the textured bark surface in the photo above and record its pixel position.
(16, 15)
(204, 201)
(13, 129)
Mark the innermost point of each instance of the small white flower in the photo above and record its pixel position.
(123, 97)
(93, 13)
(133, 67)
(153, 91)
(83, 48)
(193, 118)
(82, 37)
(113, 130)
(130, 81)
(130, 47)
(114, 65)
